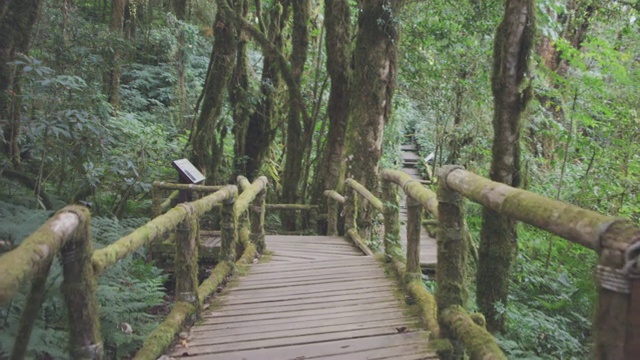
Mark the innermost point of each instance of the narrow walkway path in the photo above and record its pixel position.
(428, 245)
(317, 298)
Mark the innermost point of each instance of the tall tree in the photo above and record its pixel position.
(337, 21)
(498, 236)
(374, 80)
(112, 77)
(17, 18)
(295, 146)
(208, 134)
(260, 132)
(239, 96)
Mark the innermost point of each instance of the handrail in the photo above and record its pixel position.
(67, 233)
(617, 241)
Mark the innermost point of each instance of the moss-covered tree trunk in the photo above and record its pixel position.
(16, 23)
(180, 10)
(207, 136)
(112, 76)
(337, 21)
(260, 132)
(238, 95)
(295, 146)
(374, 79)
(498, 237)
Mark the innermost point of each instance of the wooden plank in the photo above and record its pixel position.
(315, 300)
(310, 351)
(201, 339)
(298, 340)
(239, 298)
(311, 289)
(313, 273)
(325, 319)
(249, 328)
(408, 351)
(221, 317)
(346, 262)
(277, 283)
(227, 311)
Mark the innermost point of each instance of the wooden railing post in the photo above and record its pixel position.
(79, 289)
(452, 253)
(257, 218)
(334, 200)
(229, 229)
(313, 219)
(391, 212)
(414, 224)
(30, 312)
(617, 320)
(350, 206)
(186, 258)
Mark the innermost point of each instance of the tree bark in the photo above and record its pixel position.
(17, 18)
(295, 146)
(374, 78)
(337, 21)
(260, 132)
(112, 77)
(498, 237)
(205, 138)
(238, 96)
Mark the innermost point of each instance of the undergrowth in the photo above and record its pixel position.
(126, 292)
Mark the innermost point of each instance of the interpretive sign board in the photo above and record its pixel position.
(188, 172)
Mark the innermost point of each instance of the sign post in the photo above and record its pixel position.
(188, 174)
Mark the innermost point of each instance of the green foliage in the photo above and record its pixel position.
(127, 293)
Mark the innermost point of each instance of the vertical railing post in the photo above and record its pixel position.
(257, 218)
(414, 223)
(313, 219)
(30, 312)
(156, 200)
(229, 228)
(391, 213)
(79, 289)
(350, 206)
(186, 258)
(332, 214)
(616, 323)
(452, 252)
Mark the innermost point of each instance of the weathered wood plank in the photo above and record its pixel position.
(297, 340)
(251, 328)
(332, 348)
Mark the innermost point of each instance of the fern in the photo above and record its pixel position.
(126, 292)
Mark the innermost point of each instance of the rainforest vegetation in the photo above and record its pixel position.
(98, 96)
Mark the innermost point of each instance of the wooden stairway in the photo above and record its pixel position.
(317, 298)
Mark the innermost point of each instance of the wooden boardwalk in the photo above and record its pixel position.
(428, 245)
(317, 298)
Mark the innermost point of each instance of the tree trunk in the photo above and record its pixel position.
(374, 79)
(337, 22)
(17, 18)
(205, 138)
(112, 77)
(238, 95)
(498, 237)
(295, 146)
(260, 132)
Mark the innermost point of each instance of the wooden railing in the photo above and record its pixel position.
(67, 234)
(617, 321)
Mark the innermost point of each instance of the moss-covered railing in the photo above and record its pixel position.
(616, 324)
(67, 234)
(443, 314)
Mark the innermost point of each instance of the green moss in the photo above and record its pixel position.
(164, 334)
(478, 342)
(210, 285)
